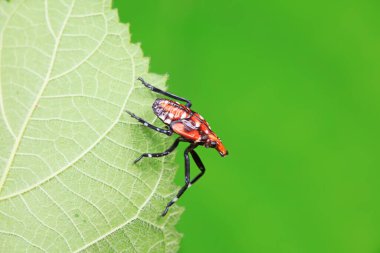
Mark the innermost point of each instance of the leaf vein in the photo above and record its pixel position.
(63, 211)
(126, 222)
(43, 223)
(33, 107)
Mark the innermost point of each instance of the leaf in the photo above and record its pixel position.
(67, 182)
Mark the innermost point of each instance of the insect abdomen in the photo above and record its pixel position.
(169, 111)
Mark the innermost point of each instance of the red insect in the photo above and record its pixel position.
(189, 125)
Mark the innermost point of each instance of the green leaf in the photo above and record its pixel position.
(67, 182)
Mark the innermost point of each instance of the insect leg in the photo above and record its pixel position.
(166, 152)
(187, 179)
(200, 165)
(154, 89)
(145, 123)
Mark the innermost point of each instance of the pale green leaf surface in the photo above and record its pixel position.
(67, 183)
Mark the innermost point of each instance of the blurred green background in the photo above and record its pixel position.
(292, 88)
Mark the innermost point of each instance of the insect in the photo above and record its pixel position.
(189, 125)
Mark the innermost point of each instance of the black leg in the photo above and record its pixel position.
(200, 165)
(166, 152)
(154, 89)
(187, 175)
(163, 131)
